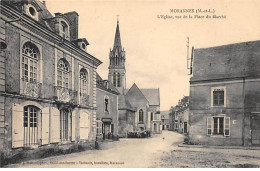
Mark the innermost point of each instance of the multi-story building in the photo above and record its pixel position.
(225, 95)
(47, 78)
(171, 119)
(107, 109)
(181, 118)
(165, 117)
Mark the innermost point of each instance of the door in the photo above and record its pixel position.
(185, 127)
(155, 127)
(255, 127)
(107, 130)
(30, 125)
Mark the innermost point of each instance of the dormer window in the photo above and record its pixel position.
(83, 45)
(31, 11)
(64, 30)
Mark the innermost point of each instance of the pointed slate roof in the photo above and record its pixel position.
(117, 41)
(135, 89)
(152, 95)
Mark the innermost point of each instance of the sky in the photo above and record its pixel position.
(156, 48)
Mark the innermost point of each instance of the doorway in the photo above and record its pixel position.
(185, 127)
(255, 128)
(30, 125)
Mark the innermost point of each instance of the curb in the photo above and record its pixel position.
(218, 147)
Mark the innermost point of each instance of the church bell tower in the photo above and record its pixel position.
(116, 67)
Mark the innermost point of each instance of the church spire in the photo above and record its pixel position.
(117, 41)
(116, 67)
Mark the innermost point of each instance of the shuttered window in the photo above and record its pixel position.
(99, 127)
(218, 125)
(227, 126)
(84, 125)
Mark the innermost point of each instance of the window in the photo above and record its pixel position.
(118, 80)
(114, 79)
(64, 125)
(106, 104)
(83, 81)
(141, 115)
(63, 73)
(30, 56)
(64, 31)
(30, 125)
(151, 116)
(218, 95)
(31, 11)
(99, 127)
(218, 125)
(83, 45)
(116, 60)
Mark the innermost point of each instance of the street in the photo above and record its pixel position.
(159, 151)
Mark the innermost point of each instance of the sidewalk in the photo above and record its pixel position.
(220, 147)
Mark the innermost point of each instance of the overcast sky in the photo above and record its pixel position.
(155, 48)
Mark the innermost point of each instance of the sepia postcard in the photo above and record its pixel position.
(130, 84)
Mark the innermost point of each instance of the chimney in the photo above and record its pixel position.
(44, 3)
(73, 17)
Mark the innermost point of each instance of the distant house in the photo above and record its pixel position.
(225, 95)
(165, 120)
(181, 115)
(171, 119)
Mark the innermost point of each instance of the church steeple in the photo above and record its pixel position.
(117, 54)
(117, 41)
(116, 67)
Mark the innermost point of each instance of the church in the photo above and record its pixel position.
(138, 108)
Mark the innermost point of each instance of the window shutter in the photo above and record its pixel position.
(73, 127)
(209, 125)
(55, 125)
(84, 125)
(227, 126)
(45, 125)
(17, 126)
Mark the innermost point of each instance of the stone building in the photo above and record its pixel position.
(179, 116)
(47, 78)
(225, 95)
(171, 119)
(147, 103)
(165, 117)
(107, 109)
